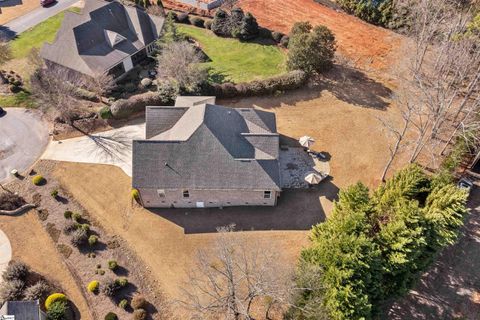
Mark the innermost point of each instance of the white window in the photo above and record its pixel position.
(267, 194)
(161, 193)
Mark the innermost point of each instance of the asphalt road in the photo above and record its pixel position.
(31, 19)
(23, 138)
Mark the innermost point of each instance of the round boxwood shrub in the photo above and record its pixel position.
(105, 113)
(68, 214)
(196, 21)
(54, 193)
(92, 240)
(38, 180)
(54, 297)
(93, 286)
(138, 301)
(112, 264)
(76, 216)
(111, 316)
(139, 314)
(123, 304)
(122, 282)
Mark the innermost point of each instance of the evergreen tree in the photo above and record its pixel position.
(221, 23)
(170, 32)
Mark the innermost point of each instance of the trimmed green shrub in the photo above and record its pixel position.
(68, 214)
(112, 264)
(58, 311)
(138, 301)
(16, 270)
(92, 240)
(105, 113)
(111, 316)
(76, 216)
(123, 304)
(54, 193)
(139, 314)
(38, 180)
(93, 286)
(122, 282)
(54, 297)
(196, 21)
(84, 226)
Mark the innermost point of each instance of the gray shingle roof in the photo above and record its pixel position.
(211, 147)
(22, 310)
(84, 41)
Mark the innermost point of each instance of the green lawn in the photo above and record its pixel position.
(237, 61)
(21, 99)
(36, 36)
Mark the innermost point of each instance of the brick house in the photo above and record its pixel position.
(198, 154)
(104, 38)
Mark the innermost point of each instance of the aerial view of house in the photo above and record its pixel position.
(104, 38)
(199, 154)
(239, 160)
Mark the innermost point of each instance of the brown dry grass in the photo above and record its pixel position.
(160, 243)
(31, 244)
(19, 8)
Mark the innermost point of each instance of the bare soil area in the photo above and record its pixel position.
(168, 240)
(368, 45)
(11, 9)
(32, 245)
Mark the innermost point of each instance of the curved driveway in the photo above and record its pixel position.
(23, 137)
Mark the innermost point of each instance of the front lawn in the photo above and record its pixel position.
(237, 61)
(21, 99)
(37, 36)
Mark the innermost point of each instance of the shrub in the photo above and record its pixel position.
(76, 216)
(68, 214)
(183, 18)
(220, 23)
(139, 314)
(123, 304)
(285, 41)
(111, 315)
(265, 33)
(173, 15)
(54, 297)
(84, 94)
(92, 240)
(38, 180)
(10, 201)
(110, 287)
(208, 24)
(69, 227)
(83, 226)
(105, 113)
(277, 36)
(11, 290)
(58, 311)
(16, 270)
(122, 282)
(123, 108)
(38, 291)
(197, 21)
(93, 286)
(112, 264)
(79, 237)
(135, 194)
(310, 49)
(138, 301)
(54, 193)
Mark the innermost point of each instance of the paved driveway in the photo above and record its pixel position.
(23, 137)
(110, 147)
(5, 252)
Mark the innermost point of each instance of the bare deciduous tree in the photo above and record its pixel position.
(236, 278)
(179, 63)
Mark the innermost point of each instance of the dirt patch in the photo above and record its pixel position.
(368, 45)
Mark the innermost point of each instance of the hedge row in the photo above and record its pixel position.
(288, 81)
(124, 108)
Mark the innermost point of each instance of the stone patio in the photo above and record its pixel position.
(296, 163)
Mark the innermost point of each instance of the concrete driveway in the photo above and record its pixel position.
(23, 137)
(5, 252)
(112, 147)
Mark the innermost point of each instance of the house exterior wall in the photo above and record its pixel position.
(209, 198)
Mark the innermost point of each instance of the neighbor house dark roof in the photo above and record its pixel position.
(101, 36)
(207, 146)
(22, 310)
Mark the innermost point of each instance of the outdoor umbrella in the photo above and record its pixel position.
(313, 178)
(306, 141)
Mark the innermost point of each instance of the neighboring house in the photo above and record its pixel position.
(202, 4)
(22, 310)
(199, 154)
(105, 38)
